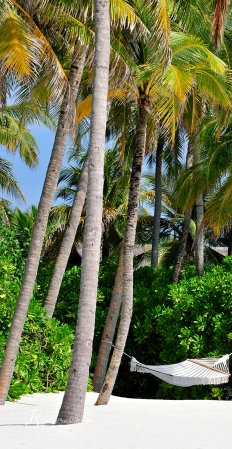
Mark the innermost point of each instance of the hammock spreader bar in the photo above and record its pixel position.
(208, 371)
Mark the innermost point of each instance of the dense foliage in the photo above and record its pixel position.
(173, 322)
(169, 323)
(46, 345)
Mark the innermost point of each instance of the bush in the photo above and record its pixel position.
(169, 324)
(188, 320)
(46, 346)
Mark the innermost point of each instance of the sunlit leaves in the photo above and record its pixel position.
(19, 48)
(219, 207)
(14, 136)
(178, 81)
(8, 183)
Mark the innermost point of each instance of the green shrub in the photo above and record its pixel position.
(46, 346)
(169, 324)
(188, 320)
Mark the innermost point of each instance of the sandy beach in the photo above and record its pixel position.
(123, 423)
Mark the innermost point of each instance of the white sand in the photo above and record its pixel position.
(122, 424)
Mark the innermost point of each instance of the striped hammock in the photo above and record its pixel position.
(208, 371)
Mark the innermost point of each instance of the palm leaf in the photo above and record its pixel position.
(163, 21)
(13, 135)
(8, 182)
(214, 85)
(18, 46)
(190, 50)
(84, 108)
(121, 12)
(219, 208)
(45, 58)
(179, 81)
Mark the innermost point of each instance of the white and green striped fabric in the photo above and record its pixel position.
(208, 371)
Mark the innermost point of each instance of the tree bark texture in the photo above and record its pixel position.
(109, 329)
(128, 245)
(199, 242)
(67, 242)
(158, 202)
(46, 199)
(183, 240)
(72, 407)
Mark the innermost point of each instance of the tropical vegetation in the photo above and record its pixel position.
(129, 86)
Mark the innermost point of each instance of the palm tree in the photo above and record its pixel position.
(186, 223)
(63, 129)
(169, 107)
(116, 182)
(79, 51)
(72, 407)
(141, 49)
(118, 12)
(212, 173)
(196, 109)
(158, 202)
(67, 242)
(199, 240)
(109, 329)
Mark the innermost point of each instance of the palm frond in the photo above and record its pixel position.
(190, 50)
(13, 135)
(19, 48)
(214, 85)
(178, 81)
(8, 183)
(219, 208)
(122, 12)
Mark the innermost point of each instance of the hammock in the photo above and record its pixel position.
(206, 371)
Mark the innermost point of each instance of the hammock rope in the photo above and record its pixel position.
(206, 371)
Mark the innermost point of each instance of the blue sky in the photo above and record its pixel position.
(31, 180)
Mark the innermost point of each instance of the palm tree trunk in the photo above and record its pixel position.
(72, 407)
(158, 202)
(69, 237)
(46, 199)
(67, 242)
(187, 218)
(109, 329)
(129, 240)
(199, 243)
(230, 242)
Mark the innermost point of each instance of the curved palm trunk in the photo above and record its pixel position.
(158, 202)
(129, 240)
(199, 244)
(109, 329)
(34, 253)
(69, 237)
(72, 407)
(187, 218)
(67, 242)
